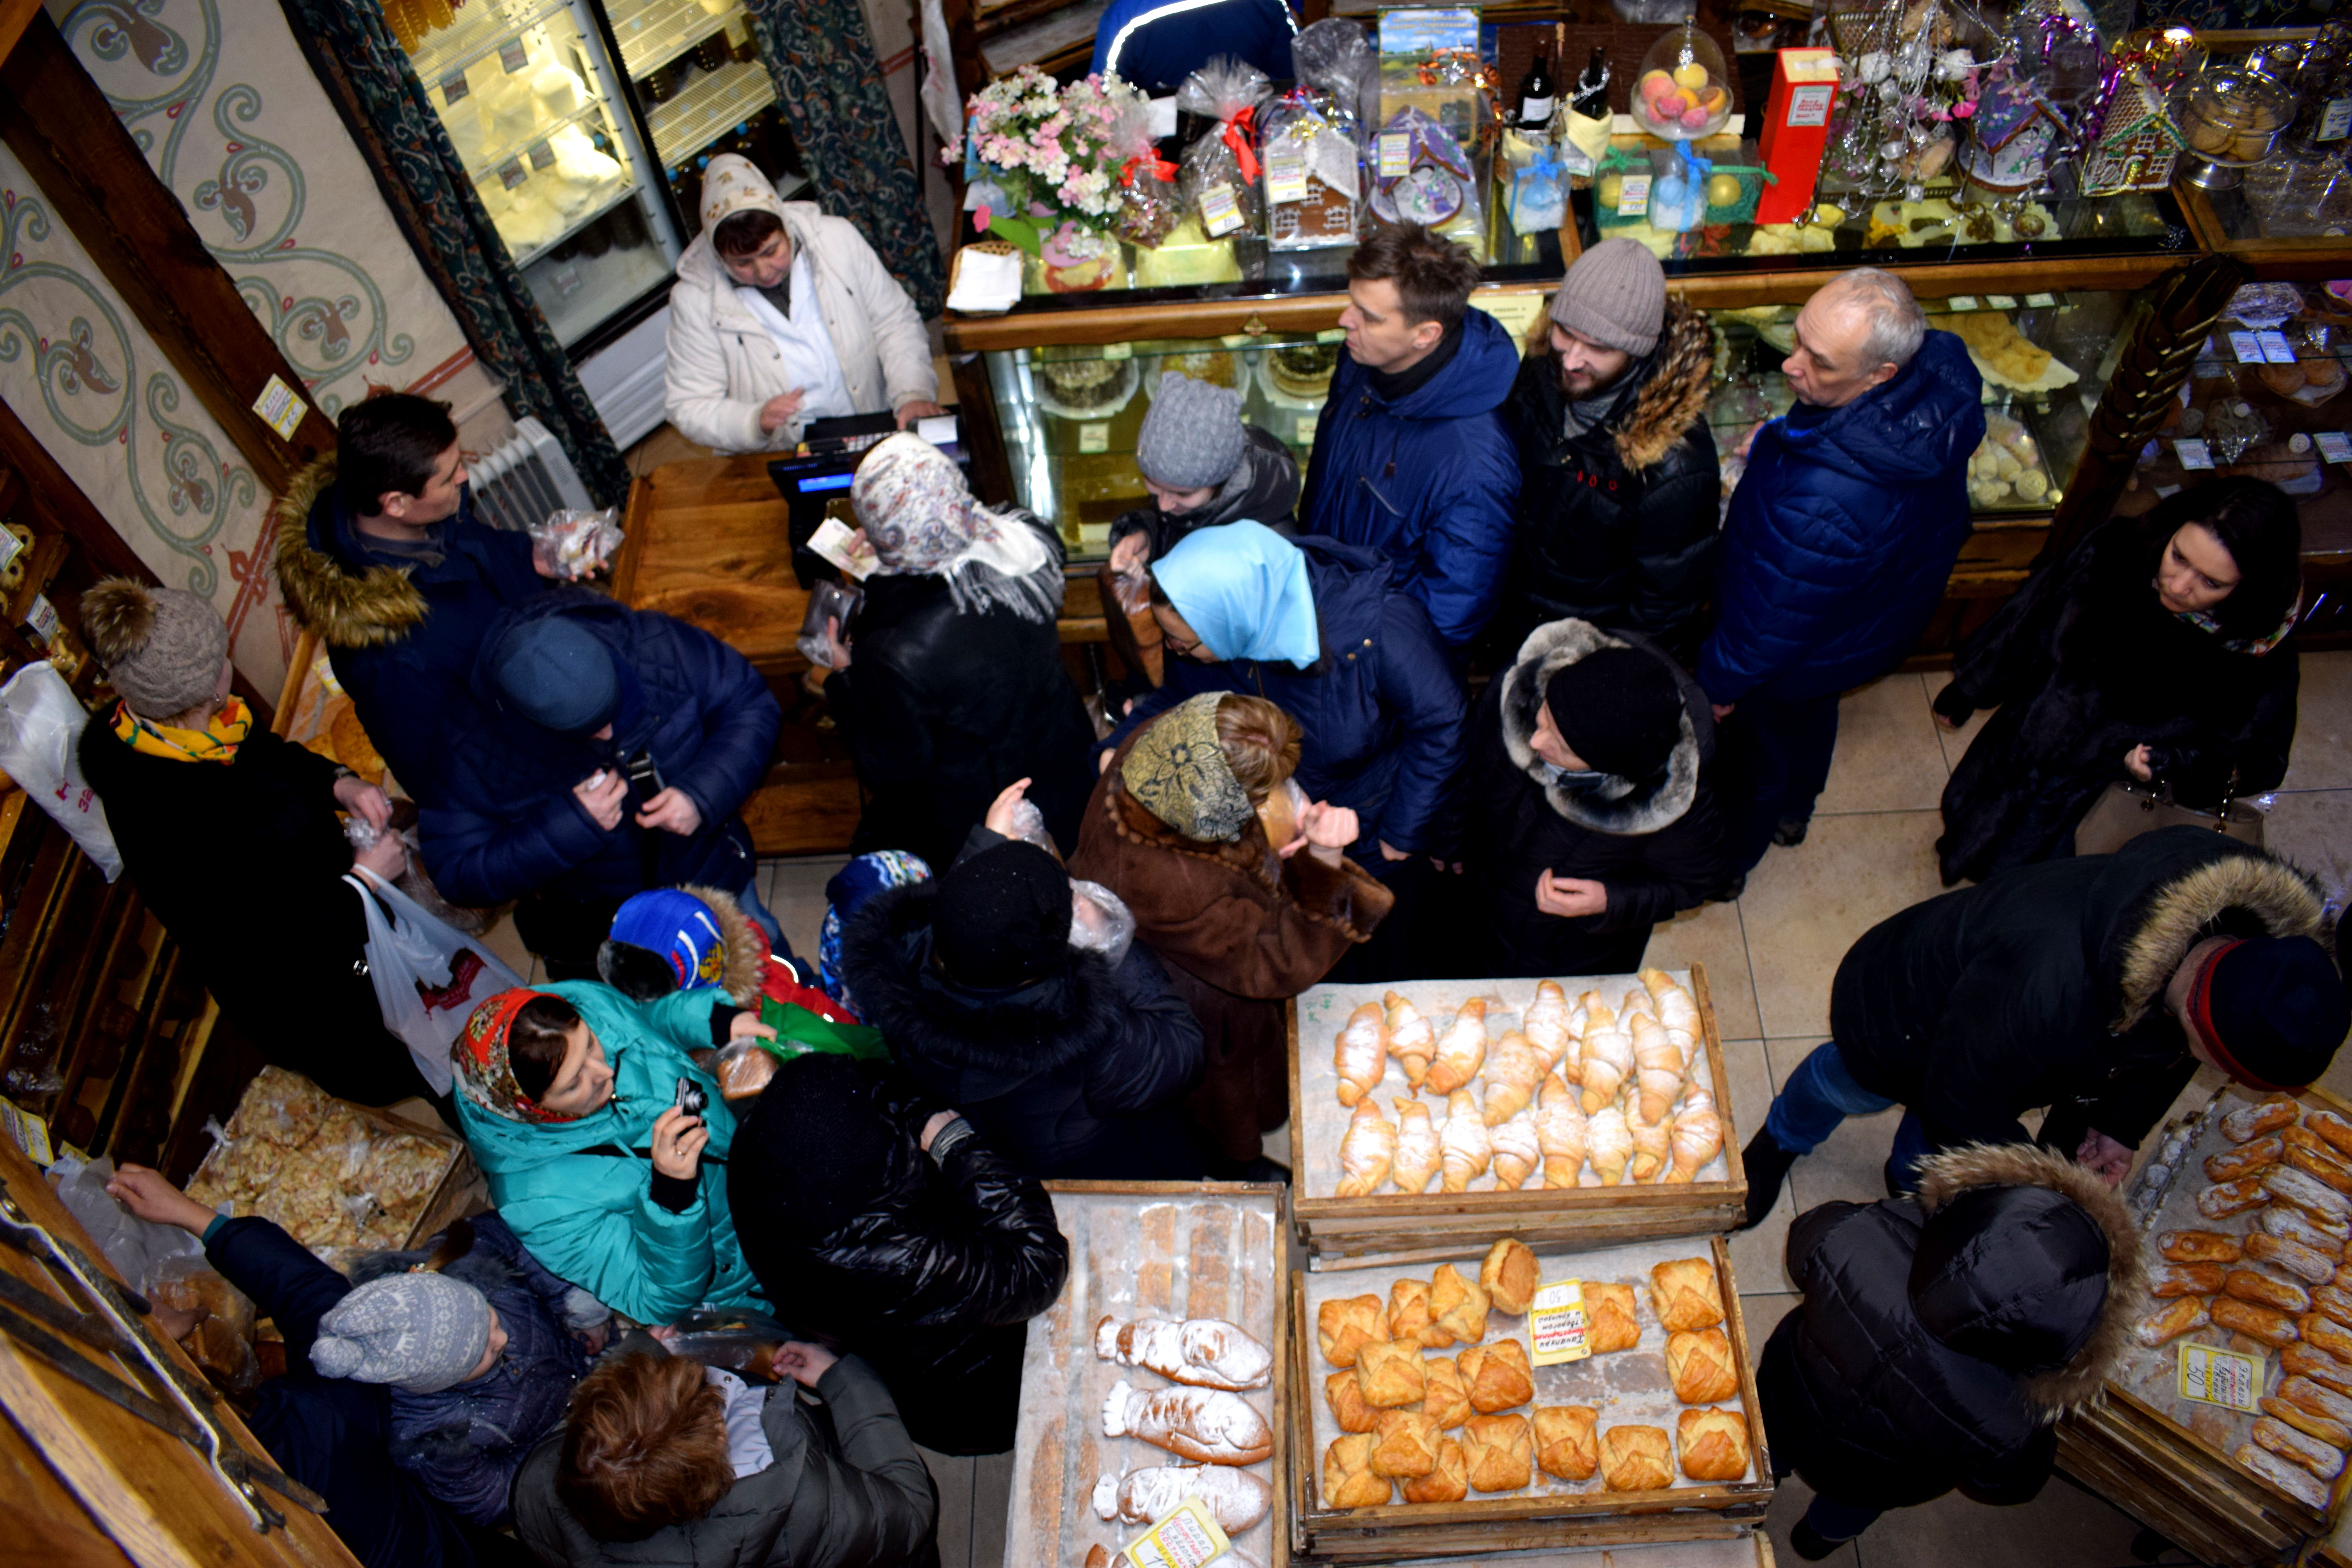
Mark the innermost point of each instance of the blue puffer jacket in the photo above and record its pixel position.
(1843, 534)
(508, 822)
(1382, 711)
(1429, 482)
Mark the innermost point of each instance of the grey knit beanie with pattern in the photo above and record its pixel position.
(421, 1331)
(1191, 436)
(163, 648)
(1614, 295)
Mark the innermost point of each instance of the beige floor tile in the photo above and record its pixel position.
(2322, 758)
(1804, 906)
(1849, 1166)
(991, 1492)
(2314, 829)
(1790, 1500)
(1954, 742)
(795, 892)
(1756, 1262)
(2065, 1527)
(1888, 757)
(1711, 934)
(953, 1476)
(1760, 1313)
(503, 940)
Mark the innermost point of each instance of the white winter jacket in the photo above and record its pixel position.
(723, 365)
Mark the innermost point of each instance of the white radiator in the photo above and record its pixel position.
(526, 479)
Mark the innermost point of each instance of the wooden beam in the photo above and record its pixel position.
(14, 15)
(97, 182)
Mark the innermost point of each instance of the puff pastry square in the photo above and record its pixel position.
(1448, 1399)
(1496, 1454)
(1566, 1446)
(1509, 1275)
(1404, 1444)
(1700, 1366)
(1498, 1376)
(1458, 1304)
(1347, 1478)
(1449, 1482)
(1344, 1392)
(1686, 1294)
(1610, 1320)
(1714, 1445)
(1391, 1374)
(1346, 1327)
(1634, 1460)
(1410, 1321)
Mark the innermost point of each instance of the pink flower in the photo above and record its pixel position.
(979, 216)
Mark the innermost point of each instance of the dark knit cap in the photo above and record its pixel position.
(1619, 709)
(2272, 1010)
(832, 1139)
(1003, 916)
(558, 674)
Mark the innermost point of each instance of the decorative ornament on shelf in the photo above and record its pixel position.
(1914, 74)
(2012, 135)
(2137, 143)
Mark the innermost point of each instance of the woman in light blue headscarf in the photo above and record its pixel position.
(1312, 626)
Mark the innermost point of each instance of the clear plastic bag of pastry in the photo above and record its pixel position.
(1221, 170)
(1149, 203)
(578, 544)
(219, 1317)
(1100, 920)
(834, 602)
(744, 1344)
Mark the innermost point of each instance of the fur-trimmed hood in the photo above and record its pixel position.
(2145, 946)
(1673, 393)
(644, 976)
(1945, 1177)
(373, 607)
(1614, 806)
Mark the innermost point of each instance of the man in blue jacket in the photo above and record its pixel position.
(1412, 456)
(1841, 537)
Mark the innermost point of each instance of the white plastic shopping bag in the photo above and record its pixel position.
(428, 977)
(40, 724)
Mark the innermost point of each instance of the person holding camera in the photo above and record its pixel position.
(605, 1139)
(604, 753)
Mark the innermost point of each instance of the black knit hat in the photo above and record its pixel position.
(2272, 1010)
(1003, 916)
(1619, 709)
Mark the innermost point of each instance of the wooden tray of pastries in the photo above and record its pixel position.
(1156, 1376)
(1427, 1114)
(1419, 1424)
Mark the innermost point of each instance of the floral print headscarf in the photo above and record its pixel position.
(921, 519)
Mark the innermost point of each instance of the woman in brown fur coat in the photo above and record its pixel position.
(1240, 885)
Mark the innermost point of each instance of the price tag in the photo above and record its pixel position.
(1961, 303)
(1634, 196)
(2192, 454)
(2335, 447)
(513, 56)
(11, 543)
(513, 173)
(2336, 120)
(2246, 347)
(454, 87)
(541, 155)
(1556, 1325)
(1396, 155)
(2041, 301)
(280, 407)
(2221, 1377)
(2277, 350)
(1189, 1537)
(1118, 351)
(41, 618)
(567, 281)
(1094, 437)
(1303, 432)
(1285, 175)
(1220, 213)
(2001, 302)
(1811, 105)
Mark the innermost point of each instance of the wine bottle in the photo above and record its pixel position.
(1536, 95)
(1590, 99)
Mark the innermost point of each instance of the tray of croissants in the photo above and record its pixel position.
(2247, 1209)
(1153, 1378)
(1488, 1086)
(1419, 1396)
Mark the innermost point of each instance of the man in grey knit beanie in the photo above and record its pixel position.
(421, 1332)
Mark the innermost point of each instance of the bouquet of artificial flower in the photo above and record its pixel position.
(1035, 153)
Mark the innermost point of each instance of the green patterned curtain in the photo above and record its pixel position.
(823, 61)
(367, 74)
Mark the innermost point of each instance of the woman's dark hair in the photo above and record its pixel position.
(2255, 522)
(1433, 275)
(535, 1042)
(742, 233)
(389, 445)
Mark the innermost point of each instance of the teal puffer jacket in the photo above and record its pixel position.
(580, 1193)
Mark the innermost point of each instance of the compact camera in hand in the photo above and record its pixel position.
(691, 1096)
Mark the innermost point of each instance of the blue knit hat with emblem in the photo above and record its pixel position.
(681, 928)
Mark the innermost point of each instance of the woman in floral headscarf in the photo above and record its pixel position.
(568, 1095)
(948, 683)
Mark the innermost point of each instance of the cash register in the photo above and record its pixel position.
(820, 470)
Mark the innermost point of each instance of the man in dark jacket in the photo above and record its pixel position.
(1412, 456)
(1588, 814)
(882, 1226)
(2091, 986)
(1155, 44)
(1617, 508)
(1071, 1066)
(1941, 1336)
(378, 551)
(1841, 537)
(603, 753)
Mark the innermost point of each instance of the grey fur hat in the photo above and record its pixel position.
(1192, 435)
(421, 1331)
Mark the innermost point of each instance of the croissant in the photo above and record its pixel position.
(1610, 1142)
(1697, 1137)
(1463, 1142)
(1391, 1375)
(1461, 1049)
(1207, 1424)
(1559, 1133)
(1653, 1148)
(1607, 1062)
(1447, 1401)
(1636, 1003)
(1545, 1024)
(1658, 1075)
(1459, 1304)
(1344, 1393)
(1344, 1327)
(1411, 1039)
(1417, 1154)
(1366, 1151)
(1515, 1069)
(1498, 1375)
(1360, 1052)
(1495, 1452)
(1410, 1321)
(1206, 1352)
(1677, 1008)
(1517, 1152)
(1236, 1499)
(1405, 1445)
(1347, 1478)
(1566, 1444)
(1449, 1482)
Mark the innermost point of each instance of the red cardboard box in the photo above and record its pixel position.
(1796, 131)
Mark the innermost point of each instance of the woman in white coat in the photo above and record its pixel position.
(781, 316)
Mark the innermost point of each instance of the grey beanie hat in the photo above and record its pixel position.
(1614, 295)
(1192, 437)
(163, 648)
(421, 1331)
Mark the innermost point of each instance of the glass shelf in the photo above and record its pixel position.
(714, 103)
(486, 168)
(620, 188)
(480, 32)
(656, 33)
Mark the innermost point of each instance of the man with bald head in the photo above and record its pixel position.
(1840, 539)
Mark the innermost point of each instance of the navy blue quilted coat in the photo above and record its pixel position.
(1843, 534)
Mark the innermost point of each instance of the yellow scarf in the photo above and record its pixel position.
(215, 743)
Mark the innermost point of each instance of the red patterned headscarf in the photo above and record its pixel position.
(479, 1055)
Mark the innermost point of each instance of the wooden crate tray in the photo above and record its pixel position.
(1630, 1387)
(1412, 1226)
(1139, 1249)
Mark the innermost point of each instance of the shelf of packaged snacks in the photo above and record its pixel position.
(483, 32)
(723, 98)
(659, 31)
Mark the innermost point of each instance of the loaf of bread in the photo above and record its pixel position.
(2291, 1256)
(2255, 1321)
(1509, 1275)
(2249, 1285)
(2289, 1223)
(2183, 1314)
(1347, 1478)
(2320, 1458)
(1498, 1376)
(1391, 1374)
(1404, 1444)
(2200, 1246)
(2245, 1160)
(1210, 1426)
(2249, 1123)
(1685, 1295)
(1495, 1450)
(1202, 1352)
(1238, 1499)
(2293, 1479)
(1449, 1482)
(2173, 1280)
(2304, 1360)
(2223, 1199)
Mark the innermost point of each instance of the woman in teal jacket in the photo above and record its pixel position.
(567, 1094)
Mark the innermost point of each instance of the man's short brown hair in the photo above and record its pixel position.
(645, 1447)
(742, 233)
(1433, 276)
(1260, 742)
